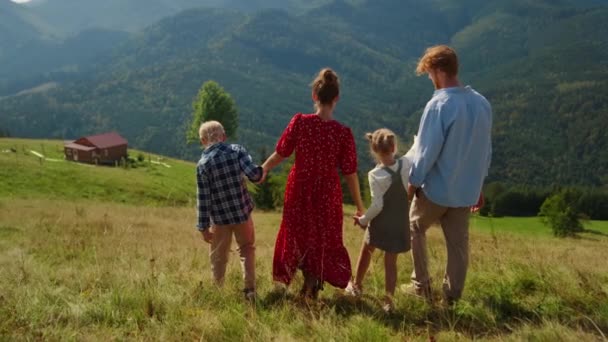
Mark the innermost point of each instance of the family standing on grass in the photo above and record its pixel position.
(438, 181)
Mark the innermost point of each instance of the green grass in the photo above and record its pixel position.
(127, 264)
(103, 271)
(25, 176)
(531, 226)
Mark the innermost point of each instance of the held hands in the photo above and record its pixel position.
(357, 221)
(265, 171)
(357, 218)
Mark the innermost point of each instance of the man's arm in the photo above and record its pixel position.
(431, 137)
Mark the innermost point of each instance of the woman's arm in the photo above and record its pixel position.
(272, 161)
(352, 181)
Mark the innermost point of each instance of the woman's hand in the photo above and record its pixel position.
(264, 175)
(352, 181)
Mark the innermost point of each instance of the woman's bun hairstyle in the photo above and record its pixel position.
(326, 86)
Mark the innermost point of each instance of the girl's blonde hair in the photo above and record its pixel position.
(382, 142)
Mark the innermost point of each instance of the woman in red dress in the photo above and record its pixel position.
(310, 237)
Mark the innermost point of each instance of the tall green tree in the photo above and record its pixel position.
(213, 103)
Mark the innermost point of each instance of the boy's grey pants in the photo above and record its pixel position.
(455, 225)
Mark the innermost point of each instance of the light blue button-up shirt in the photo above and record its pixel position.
(454, 147)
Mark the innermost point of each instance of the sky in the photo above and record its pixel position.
(21, 1)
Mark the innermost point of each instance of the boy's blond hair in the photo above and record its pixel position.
(382, 142)
(211, 131)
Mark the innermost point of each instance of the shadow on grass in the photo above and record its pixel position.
(595, 232)
(496, 312)
(410, 313)
(347, 306)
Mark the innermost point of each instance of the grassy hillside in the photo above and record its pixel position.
(100, 253)
(102, 271)
(24, 175)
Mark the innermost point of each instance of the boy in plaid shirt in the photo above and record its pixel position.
(224, 204)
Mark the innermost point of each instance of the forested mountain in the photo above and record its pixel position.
(61, 40)
(18, 26)
(541, 63)
(72, 16)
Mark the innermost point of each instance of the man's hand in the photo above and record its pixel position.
(411, 191)
(480, 203)
(207, 235)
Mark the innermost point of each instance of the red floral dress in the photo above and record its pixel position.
(310, 237)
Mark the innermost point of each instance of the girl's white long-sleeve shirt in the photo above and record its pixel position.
(380, 180)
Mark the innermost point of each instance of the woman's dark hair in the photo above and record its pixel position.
(326, 86)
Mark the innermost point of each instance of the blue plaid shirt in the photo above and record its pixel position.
(222, 196)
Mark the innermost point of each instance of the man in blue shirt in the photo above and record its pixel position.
(451, 161)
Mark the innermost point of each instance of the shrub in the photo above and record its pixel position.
(561, 216)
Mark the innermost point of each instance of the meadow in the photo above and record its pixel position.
(25, 175)
(133, 267)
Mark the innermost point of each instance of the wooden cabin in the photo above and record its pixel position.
(107, 149)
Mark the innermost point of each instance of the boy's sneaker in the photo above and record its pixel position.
(250, 295)
(353, 290)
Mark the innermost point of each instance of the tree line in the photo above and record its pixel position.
(507, 200)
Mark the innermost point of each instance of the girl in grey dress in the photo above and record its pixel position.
(386, 222)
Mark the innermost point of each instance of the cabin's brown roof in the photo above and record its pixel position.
(79, 147)
(106, 140)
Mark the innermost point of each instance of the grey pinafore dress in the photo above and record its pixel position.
(390, 231)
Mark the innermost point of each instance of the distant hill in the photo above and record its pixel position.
(134, 15)
(60, 40)
(541, 64)
(18, 26)
(56, 60)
